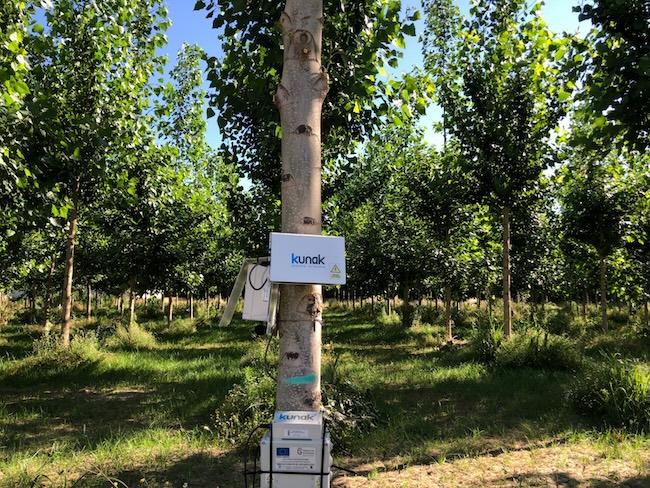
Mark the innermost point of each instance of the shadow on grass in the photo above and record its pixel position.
(195, 471)
(460, 417)
(569, 480)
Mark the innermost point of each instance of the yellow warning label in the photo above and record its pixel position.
(335, 269)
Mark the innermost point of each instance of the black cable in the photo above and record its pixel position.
(271, 457)
(246, 449)
(340, 468)
(267, 367)
(322, 453)
(250, 273)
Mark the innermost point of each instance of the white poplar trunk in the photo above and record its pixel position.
(299, 99)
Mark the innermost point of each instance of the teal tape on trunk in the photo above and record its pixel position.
(301, 380)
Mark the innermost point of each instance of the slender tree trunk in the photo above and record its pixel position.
(162, 302)
(120, 303)
(507, 301)
(132, 299)
(603, 293)
(89, 301)
(32, 305)
(584, 305)
(448, 324)
(646, 312)
(170, 308)
(191, 306)
(299, 99)
(48, 294)
(69, 271)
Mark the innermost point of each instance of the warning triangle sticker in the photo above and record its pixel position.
(335, 269)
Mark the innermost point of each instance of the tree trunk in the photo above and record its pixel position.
(131, 305)
(299, 99)
(32, 305)
(507, 301)
(89, 301)
(603, 293)
(68, 273)
(191, 306)
(584, 305)
(448, 325)
(170, 308)
(646, 313)
(120, 304)
(48, 294)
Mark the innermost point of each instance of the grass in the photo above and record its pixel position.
(145, 416)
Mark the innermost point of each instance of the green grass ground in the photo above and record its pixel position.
(143, 418)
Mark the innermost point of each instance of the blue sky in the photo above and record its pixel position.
(192, 27)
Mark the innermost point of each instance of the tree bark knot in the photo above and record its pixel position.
(282, 96)
(303, 45)
(304, 129)
(321, 84)
(312, 400)
(314, 305)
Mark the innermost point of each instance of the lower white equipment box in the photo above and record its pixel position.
(296, 453)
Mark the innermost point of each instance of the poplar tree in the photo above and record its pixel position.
(299, 99)
(503, 92)
(89, 78)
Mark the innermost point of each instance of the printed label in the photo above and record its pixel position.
(298, 459)
(296, 434)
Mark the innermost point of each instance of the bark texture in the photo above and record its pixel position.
(448, 324)
(67, 277)
(131, 302)
(48, 294)
(603, 294)
(170, 308)
(507, 299)
(299, 99)
(89, 301)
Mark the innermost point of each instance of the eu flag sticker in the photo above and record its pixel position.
(282, 451)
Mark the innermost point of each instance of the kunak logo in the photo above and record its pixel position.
(313, 260)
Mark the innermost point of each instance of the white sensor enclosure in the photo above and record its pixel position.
(307, 259)
(296, 453)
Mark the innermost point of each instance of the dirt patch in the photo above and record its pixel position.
(565, 466)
